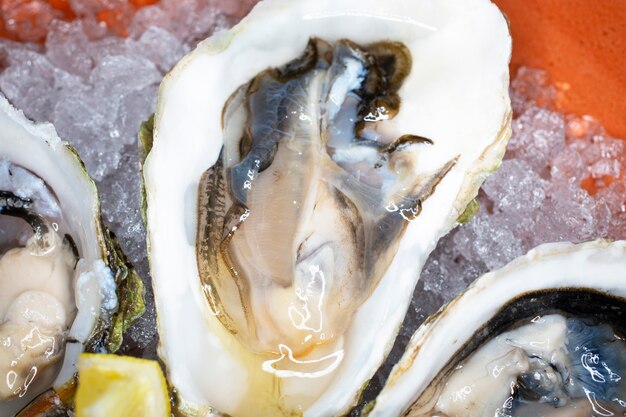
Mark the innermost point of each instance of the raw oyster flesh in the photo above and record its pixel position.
(59, 268)
(36, 299)
(552, 364)
(305, 208)
(554, 345)
(301, 167)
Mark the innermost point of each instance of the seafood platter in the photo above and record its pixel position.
(312, 208)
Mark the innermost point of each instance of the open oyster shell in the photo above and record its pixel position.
(65, 286)
(545, 335)
(303, 166)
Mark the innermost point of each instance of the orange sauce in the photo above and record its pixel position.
(582, 44)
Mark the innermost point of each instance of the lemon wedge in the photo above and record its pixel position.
(120, 386)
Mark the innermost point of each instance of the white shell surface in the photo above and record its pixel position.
(457, 94)
(597, 265)
(38, 148)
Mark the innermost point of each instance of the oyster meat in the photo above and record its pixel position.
(319, 207)
(302, 166)
(545, 335)
(64, 285)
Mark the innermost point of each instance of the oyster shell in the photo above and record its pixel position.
(65, 286)
(303, 166)
(545, 335)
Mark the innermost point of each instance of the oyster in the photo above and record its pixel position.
(303, 166)
(65, 287)
(545, 335)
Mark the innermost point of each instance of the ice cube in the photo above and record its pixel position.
(161, 47)
(30, 85)
(605, 167)
(116, 75)
(515, 187)
(151, 16)
(538, 135)
(568, 166)
(568, 215)
(235, 9)
(531, 87)
(67, 48)
(582, 128)
(86, 121)
(135, 107)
